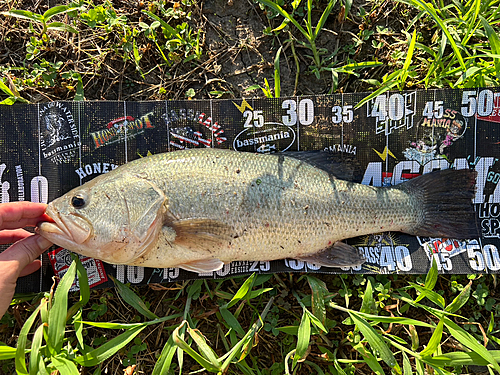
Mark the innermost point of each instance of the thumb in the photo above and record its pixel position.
(25, 251)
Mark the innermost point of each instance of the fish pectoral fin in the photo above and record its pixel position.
(338, 255)
(205, 235)
(202, 266)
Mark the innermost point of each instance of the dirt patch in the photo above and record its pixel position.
(236, 43)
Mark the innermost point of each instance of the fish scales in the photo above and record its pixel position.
(220, 206)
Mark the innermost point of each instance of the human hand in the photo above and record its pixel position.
(20, 259)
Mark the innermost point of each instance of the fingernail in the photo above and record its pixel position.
(43, 243)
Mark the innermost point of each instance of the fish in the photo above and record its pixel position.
(199, 209)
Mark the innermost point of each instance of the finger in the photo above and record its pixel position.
(30, 268)
(25, 251)
(11, 236)
(20, 214)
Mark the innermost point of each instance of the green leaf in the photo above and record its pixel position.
(429, 294)
(205, 363)
(429, 8)
(35, 354)
(406, 66)
(59, 9)
(6, 89)
(303, 337)
(434, 341)
(494, 42)
(24, 14)
(368, 305)
(164, 362)
(277, 74)
(59, 310)
(369, 358)
(133, 299)
(242, 292)
(99, 355)
(207, 351)
(285, 14)
(323, 17)
(319, 290)
(468, 340)
(6, 352)
(460, 300)
(432, 277)
(407, 369)
(61, 26)
(384, 319)
(65, 366)
(376, 341)
(462, 359)
(20, 360)
(231, 321)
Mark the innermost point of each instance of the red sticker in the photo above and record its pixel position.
(61, 260)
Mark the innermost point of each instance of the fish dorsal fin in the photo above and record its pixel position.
(338, 255)
(338, 165)
(202, 266)
(205, 235)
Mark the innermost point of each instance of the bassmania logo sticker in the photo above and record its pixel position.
(270, 137)
(120, 129)
(60, 140)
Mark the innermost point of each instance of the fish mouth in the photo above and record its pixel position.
(73, 228)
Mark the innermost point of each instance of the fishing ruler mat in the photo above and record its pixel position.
(49, 148)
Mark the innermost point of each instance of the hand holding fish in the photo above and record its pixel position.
(20, 259)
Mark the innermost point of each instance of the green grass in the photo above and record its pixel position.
(219, 327)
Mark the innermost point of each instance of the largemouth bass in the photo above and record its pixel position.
(198, 209)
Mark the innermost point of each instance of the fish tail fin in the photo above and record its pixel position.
(446, 204)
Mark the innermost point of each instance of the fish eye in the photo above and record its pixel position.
(78, 201)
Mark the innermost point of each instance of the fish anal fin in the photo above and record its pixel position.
(339, 254)
(205, 235)
(203, 265)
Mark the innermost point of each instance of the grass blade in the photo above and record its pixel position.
(59, 9)
(35, 355)
(24, 14)
(429, 294)
(468, 340)
(20, 360)
(133, 299)
(494, 43)
(324, 16)
(368, 305)
(285, 14)
(59, 310)
(96, 356)
(277, 74)
(319, 290)
(369, 358)
(376, 341)
(164, 362)
(303, 337)
(460, 300)
(231, 321)
(242, 292)
(65, 366)
(434, 341)
(6, 351)
(429, 8)
(205, 363)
